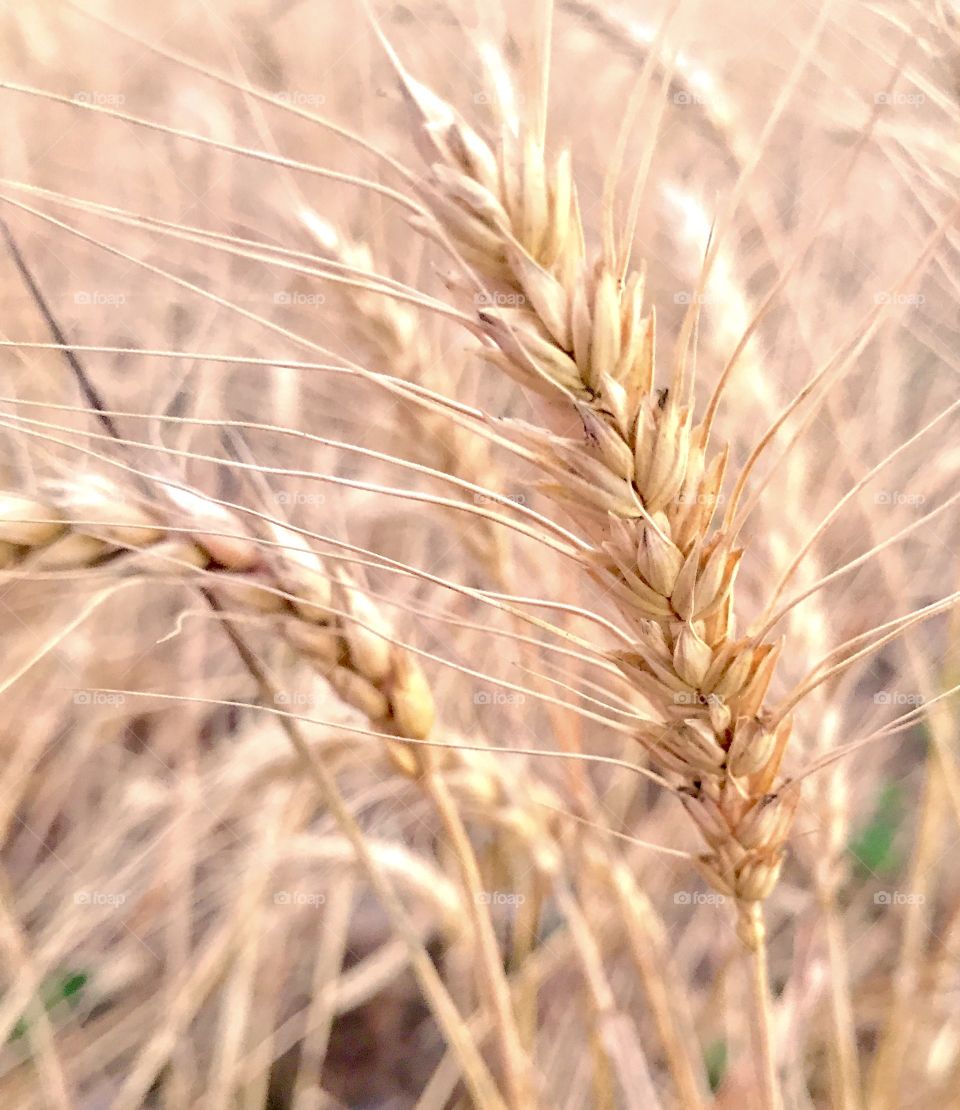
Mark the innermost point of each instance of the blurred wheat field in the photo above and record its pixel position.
(479, 626)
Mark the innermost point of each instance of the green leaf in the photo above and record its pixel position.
(873, 846)
(62, 988)
(715, 1058)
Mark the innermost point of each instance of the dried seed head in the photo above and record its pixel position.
(639, 484)
(547, 296)
(768, 822)
(607, 444)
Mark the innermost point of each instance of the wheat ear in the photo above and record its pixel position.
(629, 464)
(324, 615)
(392, 331)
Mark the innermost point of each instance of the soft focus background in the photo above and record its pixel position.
(181, 924)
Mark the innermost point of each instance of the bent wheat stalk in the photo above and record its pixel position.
(328, 620)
